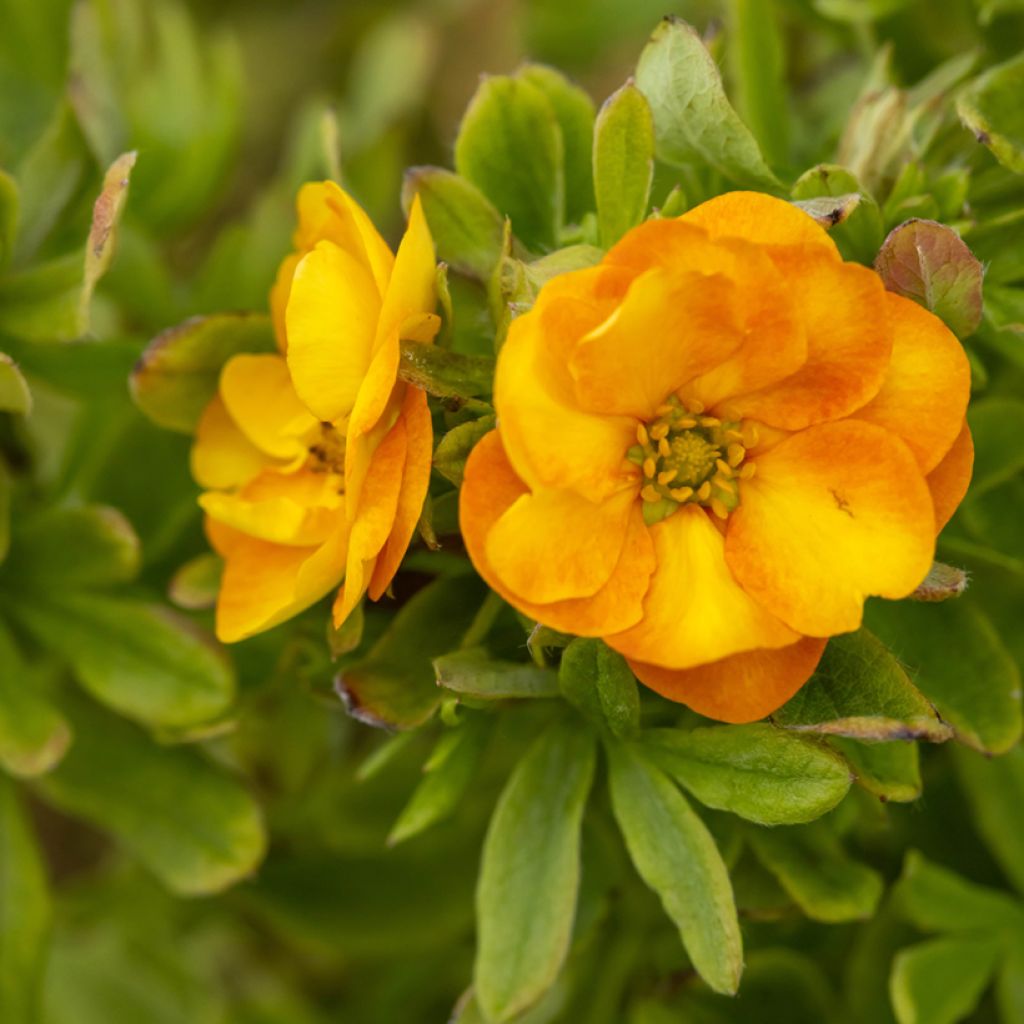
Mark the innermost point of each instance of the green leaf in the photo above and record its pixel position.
(448, 775)
(757, 62)
(860, 690)
(693, 119)
(394, 686)
(929, 263)
(676, 856)
(33, 735)
(140, 659)
(890, 770)
(623, 162)
(24, 914)
(466, 227)
(830, 211)
(935, 899)
(196, 583)
(574, 111)
(1010, 985)
(757, 771)
(817, 873)
(475, 673)
(178, 373)
(43, 302)
(69, 548)
(960, 664)
(510, 146)
(995, 789)
(990, 108)
(9, 205)
(530, 872)
(453, 449)
(941, 981)
(941, 583)
(444, 373)
(997, 425)
(14, 393)
(600, 682)
(858, 235)
(190, 823)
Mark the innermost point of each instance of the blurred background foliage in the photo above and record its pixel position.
(189, 835)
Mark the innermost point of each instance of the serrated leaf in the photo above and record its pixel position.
(453, 449)
(189, 822)
(995, 788)
(623, 162)
(676, 856)
(14, 393)
(829, 211)
(941, 981)
(530, 871)
(394, 685)
(73, 547)
(860, 233)
(935, 899)
(141, 659)
(860, 690)
(890, 770)
(757, 771)
(693, 119)
(574, 111)
(600, 682)
(178, 373)
(929, 263)
(466, 227)
(510, 146)
(475, 673)
(990, 108)
(24, 913)
(449, 772)
(33, 734)
(959, 663)
(817, 873)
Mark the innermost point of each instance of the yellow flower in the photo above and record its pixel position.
(316, 460)
(713, 446)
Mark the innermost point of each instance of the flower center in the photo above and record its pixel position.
(327, 450)
(689, 458)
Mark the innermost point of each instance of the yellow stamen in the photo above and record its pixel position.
(641, 434)
(719, 509)
(735, 454)
(681, 493)
(664, 448)
(725, 485)
(686, 424)
(650, 493)
(748, 471)
(710, 421)
(658, 431)
(704, 491)
(724, 468)
(650, 467)
(666, 477)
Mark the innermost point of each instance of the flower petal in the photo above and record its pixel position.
(741, 688)
(331, 321)
(490, 486)
(949, 480)
(550, 441)
(552, 544)
(694, 612)
(375, 517)
(849, 343)
(761, 219)
(671, 327)
(222, 456)
(326, 211)
(833, 515)
(264, 584)
(279, 294)
(924, 397)
(412, 286)
(415, 479)
(258, 394)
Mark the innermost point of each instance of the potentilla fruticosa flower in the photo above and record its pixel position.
(713, 447)
(315, 460)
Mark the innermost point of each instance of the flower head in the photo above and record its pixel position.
(713, 447)
(316, 459)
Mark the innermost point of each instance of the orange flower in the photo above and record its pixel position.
(316, 460)
(712, 447)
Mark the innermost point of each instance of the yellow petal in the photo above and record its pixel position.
(411, 289)
(741, 688)
(694, 611)
(552, 545)
(222, 456)
(949, 480)
(279, 293)
(331, 322)
(489, 488)
(834, 514)
(924, 396)
(258, 394)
